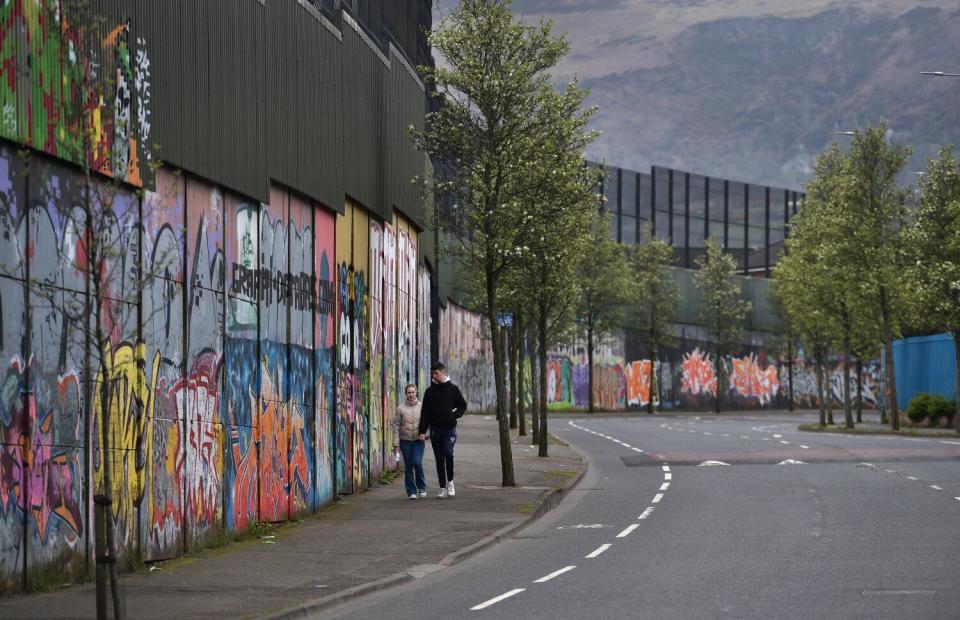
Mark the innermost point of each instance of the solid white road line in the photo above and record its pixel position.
(497, 599)
(664, 486)
(656, 498)
(598, 550)
(555, 573)
(627, 530)
(637, 449)
(646, 512)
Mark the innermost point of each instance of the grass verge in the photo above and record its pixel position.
(907, 432)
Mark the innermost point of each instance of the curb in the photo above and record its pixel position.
(547, 501)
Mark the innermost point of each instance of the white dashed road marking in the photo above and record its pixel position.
(598, 550)
(646, 513)
(935, 487)
(656, 498)
(628, 530)
(555, 573)
(497, 599)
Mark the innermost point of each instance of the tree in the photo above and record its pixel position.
(872, 248)
(562, 208)
(722, 310)
(656, 297)
(934, 244)
(493, 90)
(799, 276)
(818, 234)
(604, 282)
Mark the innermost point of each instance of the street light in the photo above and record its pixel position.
(939, 74)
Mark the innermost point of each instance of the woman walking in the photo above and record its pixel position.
(405, 429)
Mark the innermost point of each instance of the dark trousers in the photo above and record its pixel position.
(413, 478)
(443, 440)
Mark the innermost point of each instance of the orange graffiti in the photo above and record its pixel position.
(638, 382)
(750, 381)
(698, 374)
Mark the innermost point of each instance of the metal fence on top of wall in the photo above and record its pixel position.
(683, 208)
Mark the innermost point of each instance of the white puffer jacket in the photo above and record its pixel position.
(405, 423)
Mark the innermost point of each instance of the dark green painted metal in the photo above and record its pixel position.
(245, 93)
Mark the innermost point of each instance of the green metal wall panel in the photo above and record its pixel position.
(242, 92)
(364, 69)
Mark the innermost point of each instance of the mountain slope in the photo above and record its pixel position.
(753, 90)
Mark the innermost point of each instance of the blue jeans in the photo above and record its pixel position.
(412, 452)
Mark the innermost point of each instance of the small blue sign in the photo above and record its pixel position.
(505, 319)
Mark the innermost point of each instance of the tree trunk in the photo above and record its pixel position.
(535, 390)
(719, 376)
(521, 388)
(828, 389)
(542, 331)
(503, 423)
(891, 378)
(859, 390)
(790, 376)
(653, 364)
(847, 410)
(110, 556)
(589, 367)
(512, 339)
(956, 356)
(820, 396)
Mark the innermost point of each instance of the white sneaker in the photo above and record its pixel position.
(450, 490)
(412, 496)
(442, 494)
(423, 493)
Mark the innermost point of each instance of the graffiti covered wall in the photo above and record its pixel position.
(568, 380)
(239, 339)
(465, 350)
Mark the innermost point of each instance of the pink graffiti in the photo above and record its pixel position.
(50, 471)
(698, 374)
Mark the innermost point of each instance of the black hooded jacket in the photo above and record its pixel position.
(442, 405)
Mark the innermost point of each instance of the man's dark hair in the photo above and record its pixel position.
(437, 366)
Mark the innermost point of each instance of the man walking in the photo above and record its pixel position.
(443, 405)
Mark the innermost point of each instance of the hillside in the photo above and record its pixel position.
(753, 90)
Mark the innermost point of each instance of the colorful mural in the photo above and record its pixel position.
(52, 91)
(219, 365)
(466, 352)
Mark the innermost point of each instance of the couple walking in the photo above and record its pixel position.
(442, 406)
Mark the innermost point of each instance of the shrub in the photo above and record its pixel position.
(932, 407)
(917, 408)
(940, 407)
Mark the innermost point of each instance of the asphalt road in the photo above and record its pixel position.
(719, 517)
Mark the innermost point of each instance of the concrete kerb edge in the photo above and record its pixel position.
(547, 501)
(306, 610)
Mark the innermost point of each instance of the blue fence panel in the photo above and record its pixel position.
(925, 364)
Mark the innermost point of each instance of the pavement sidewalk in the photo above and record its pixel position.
(363, 543)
